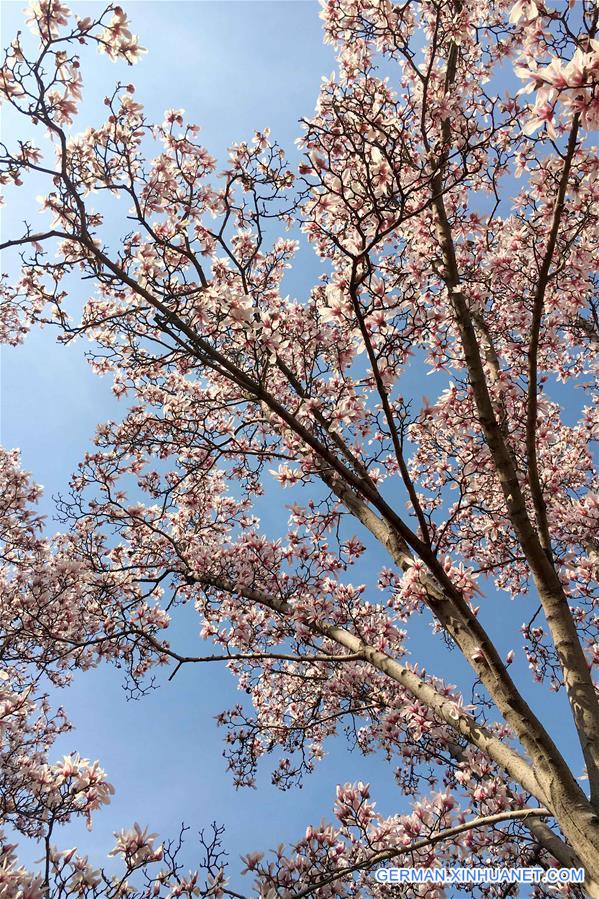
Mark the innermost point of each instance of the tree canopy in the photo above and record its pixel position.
(448, 186)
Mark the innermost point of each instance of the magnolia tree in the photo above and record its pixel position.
(452, 203)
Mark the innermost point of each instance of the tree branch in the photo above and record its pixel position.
(447, 834)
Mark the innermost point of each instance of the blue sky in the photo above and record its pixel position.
(235, 67)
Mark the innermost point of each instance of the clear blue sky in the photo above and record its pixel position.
(234, 67)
